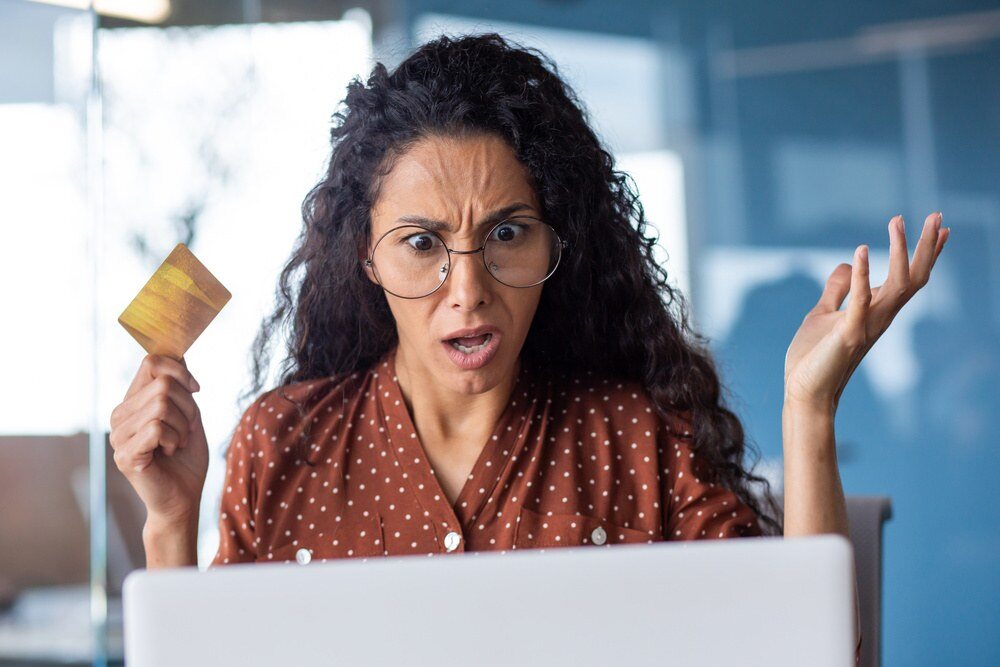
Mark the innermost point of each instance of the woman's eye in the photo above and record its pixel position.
(508, 232)
(420, 242)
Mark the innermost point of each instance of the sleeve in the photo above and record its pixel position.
(695, 508)
(239, 497)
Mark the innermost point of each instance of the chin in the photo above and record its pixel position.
(475, 381)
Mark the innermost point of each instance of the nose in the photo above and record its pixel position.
(468, 282)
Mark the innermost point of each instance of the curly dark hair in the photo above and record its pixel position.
(608, 309)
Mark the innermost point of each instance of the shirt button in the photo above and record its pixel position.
(599, 536)
(303, 556)
(451, 540)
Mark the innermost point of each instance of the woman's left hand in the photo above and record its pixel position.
(830, 342)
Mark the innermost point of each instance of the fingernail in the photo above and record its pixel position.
(864, 252)
(194, 385)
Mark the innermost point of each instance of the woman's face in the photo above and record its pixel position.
(459, 182)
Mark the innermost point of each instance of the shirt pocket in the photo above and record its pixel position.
(357, 538)
(535, 530)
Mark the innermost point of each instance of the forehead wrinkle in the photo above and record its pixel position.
(463, 172)
(461, 180)
(461, 175)
(434, 170)
(446, 182)
(414, 178)
(494, 181)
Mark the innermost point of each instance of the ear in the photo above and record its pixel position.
(362, 259)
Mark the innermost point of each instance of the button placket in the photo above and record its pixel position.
(508, 440)
(410, 454)
(411, 457)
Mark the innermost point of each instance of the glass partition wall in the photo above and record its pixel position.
(122, 135)
(52, 577)
(213, 135)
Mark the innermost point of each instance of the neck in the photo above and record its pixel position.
(444, 415)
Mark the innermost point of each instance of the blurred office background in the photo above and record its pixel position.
(766, 140)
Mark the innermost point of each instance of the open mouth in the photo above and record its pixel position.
(473, 352)
(472, 344)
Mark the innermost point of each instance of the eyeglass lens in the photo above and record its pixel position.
(411, 261)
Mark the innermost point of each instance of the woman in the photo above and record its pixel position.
(484, 353)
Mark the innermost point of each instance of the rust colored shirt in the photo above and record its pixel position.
(573, 460)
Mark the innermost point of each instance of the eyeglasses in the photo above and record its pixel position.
(411, 261)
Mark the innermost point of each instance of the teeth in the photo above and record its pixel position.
(469, 350)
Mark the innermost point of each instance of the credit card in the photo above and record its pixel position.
(175, 306)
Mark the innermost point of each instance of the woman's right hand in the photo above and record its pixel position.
(159, 441)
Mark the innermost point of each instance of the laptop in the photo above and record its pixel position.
(746, 601)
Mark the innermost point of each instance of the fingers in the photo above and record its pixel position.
(165, 385)
(926, 252)
(836, 289)
(881, 303)
(156, 365)
(943, 236)
(861, 295)
(141, 449)
(162, 400)
(161, 407)
(905, 278)
(178, 394)
(138, 455)
(898, 281)
(158, 410)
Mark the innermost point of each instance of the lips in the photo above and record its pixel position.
(473, 347)
(472, 332)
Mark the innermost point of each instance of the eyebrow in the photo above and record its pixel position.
(491, 218)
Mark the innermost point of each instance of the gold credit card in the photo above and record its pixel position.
(175, 305)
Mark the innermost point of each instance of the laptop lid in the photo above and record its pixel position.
(748, 601)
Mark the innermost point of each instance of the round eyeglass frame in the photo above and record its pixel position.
(370, 260)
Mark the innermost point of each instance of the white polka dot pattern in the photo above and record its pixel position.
(571, 457)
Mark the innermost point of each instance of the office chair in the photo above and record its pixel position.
(866, 516)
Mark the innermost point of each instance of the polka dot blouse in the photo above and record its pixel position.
(573, 460)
